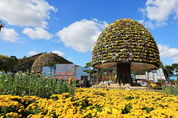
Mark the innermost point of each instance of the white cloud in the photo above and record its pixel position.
(32, 53)
(159, 24)
(160, 10)
(55, 40)
(56, 18)
(38, 33)
(166, 52)
(58, 52)
(9, 35)
(81, 35)
(175, 60)
(149, 24)
(70, 59)
(141, 21)
(25, 12)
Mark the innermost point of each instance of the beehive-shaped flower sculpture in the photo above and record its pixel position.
(43, 60)
(126, 45)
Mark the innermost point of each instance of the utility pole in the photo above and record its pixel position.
(1, 25)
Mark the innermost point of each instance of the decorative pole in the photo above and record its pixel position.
(1, 25)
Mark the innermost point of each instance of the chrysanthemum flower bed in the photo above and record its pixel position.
(87, 103)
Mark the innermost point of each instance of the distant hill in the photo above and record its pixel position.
(25, 63)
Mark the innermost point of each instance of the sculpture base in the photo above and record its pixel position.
(126, 87)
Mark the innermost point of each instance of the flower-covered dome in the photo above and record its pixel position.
(126, 41)
(43, 60)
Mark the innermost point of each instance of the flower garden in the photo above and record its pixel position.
(18, 102)
(34, 96)
(87, 103)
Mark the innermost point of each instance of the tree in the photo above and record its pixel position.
(7, 63)
(175, 67)
(169, 70)
(92, 71)
(3, 63)
(11, 62)
(88, 65)
(25, 63)
(125, 45)
(95, 72)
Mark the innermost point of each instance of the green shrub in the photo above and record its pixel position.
(170, 90)
(34, 84)
(157, 88)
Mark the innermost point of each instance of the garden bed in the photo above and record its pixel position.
(29, 97)
(88, 103)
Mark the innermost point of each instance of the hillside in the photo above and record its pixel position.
(25, 64)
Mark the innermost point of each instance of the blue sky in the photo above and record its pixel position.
(71, 27)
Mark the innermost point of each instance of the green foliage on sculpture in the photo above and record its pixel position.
(125, 40)
(41, 61)
(47, 59)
